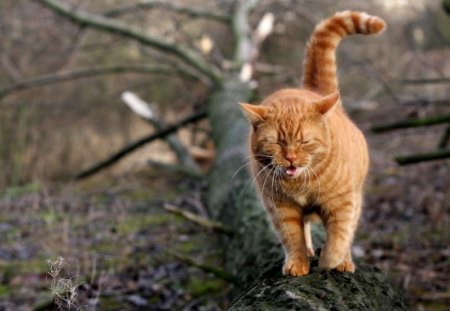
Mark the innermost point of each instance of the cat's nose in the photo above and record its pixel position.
(291, 157)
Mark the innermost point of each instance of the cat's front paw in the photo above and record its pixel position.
(346, 266)
(295, 268)
(328, 262)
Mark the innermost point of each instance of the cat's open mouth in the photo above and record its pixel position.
(292, 171)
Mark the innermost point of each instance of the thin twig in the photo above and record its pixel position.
(59, 77)
(377, 76)
(207, 268)
(445, 138)
(100, 22)
(425, 81)
(435, 296)
(199, 220)
(425, 101)
(194, 12)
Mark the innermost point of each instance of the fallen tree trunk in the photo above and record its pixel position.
(253, 253)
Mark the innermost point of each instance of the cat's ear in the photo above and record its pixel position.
(327, 103)
(253, 113)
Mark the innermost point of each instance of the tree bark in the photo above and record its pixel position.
(253, 253)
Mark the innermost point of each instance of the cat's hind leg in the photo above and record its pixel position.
(308, 239)
(347, 265)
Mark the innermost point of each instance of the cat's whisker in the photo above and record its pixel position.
(242, 167)
(308, 186)
(278, 176)
(259, 173)
(260, 155)
(318, 184)
(253, 180)
(274, 175)
(267, 176)
(305, 178)
(250, 160)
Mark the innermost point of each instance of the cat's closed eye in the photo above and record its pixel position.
(282, 142)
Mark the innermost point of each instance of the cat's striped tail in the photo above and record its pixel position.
(320, 60)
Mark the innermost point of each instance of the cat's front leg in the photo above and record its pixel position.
(338, 217)
(288, 222)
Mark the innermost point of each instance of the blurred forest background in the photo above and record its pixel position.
(122, 247)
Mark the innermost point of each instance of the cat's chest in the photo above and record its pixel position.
(300, 199)
(303, 196)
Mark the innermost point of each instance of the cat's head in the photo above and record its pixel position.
(290, 131)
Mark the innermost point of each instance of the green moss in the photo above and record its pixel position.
(110, 303)
(11, 234)
(188, 246)
(111, 263)
(50, 217)
(105, 247)
(17, 191)
(133, 224)
(435, 306)
(13, 268)
(138, 196)
(199, 287)
(5, 291)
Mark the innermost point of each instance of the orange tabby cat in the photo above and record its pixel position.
(308, 158)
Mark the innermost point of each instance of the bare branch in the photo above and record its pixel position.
(88, 72)
(377, 76)
(412, 123)
(248, 42)
(416, 158)
(242, 31)
(11, 69)
(183, 53)
(263, 30)
(194, 12)
(425, 81)
(143, 109)
(445, 138)
(137, 144)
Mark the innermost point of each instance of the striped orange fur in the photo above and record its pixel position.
(308, 158)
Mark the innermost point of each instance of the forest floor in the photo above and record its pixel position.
(111, 245)
(116, 247)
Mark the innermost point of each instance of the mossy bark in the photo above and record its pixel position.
(253, 253)
(367, 289)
